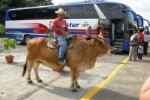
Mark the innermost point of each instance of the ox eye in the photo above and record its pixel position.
(99, 42)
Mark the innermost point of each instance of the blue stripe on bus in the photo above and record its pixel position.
(25, 31)
(87, 3)
(20, 30)
(19, 37)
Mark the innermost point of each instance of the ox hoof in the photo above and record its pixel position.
(40, 81)
(78, 86)
(74, 90)
(30, 82)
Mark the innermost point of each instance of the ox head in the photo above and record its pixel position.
(99, 43)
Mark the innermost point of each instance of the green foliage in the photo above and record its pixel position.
(38, 2)
(9, 44)
(2, 29)
(4, 5)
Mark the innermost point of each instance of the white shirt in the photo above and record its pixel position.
(133, 36)
(146, 38)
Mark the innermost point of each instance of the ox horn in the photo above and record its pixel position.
(101, 28)
(88, 31)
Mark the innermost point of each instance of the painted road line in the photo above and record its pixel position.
(98, 87)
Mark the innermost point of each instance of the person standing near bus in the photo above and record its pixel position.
(60, 27)
(140, 51)
(133, 46)
(146, 40)
(141, 35)
(141, 42)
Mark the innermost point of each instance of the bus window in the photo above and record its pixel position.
(111, 11)
(80, 11)
(130, 20)
(29, 14)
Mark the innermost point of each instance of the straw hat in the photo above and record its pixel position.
(60, 11)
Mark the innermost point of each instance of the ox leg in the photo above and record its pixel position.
(76, 81)
(73, 79)
(29, 68)
(36, 66)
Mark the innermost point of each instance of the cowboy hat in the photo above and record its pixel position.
(60, 11)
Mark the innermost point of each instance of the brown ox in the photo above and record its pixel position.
(80, 57)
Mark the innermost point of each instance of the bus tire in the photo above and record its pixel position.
(26, 39)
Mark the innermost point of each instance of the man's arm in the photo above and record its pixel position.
(53, 28)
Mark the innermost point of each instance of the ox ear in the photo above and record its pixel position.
(101, 42)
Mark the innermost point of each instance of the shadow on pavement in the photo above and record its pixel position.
(106, 94)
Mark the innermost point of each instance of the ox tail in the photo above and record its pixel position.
(24, 68)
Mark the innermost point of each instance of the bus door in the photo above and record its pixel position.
(117, 34)
(117, 28)
(113, 30)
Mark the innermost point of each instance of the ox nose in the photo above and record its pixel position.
(110, 52)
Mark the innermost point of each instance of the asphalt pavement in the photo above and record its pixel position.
(124, 85)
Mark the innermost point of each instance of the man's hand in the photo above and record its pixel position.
(62, 30)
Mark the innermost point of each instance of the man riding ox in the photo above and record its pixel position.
(80, 57)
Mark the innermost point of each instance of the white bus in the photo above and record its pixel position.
(23, 24)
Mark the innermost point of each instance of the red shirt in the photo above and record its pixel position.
(60, 23)
(140, 36)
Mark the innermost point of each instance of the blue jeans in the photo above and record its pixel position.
(63, 45)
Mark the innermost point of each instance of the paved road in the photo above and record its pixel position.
(125, 85)
(55, 85)
(127, 82)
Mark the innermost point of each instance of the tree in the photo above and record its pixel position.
(29, 3)
(3, 7)
(8, 4)
(40, 2)
(17, 3)
(2, 30)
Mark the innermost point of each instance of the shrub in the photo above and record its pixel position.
(9, 44)
(2, 30)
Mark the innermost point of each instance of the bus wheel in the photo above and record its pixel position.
(26, 39)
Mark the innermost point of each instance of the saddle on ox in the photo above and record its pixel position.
(52, 43)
